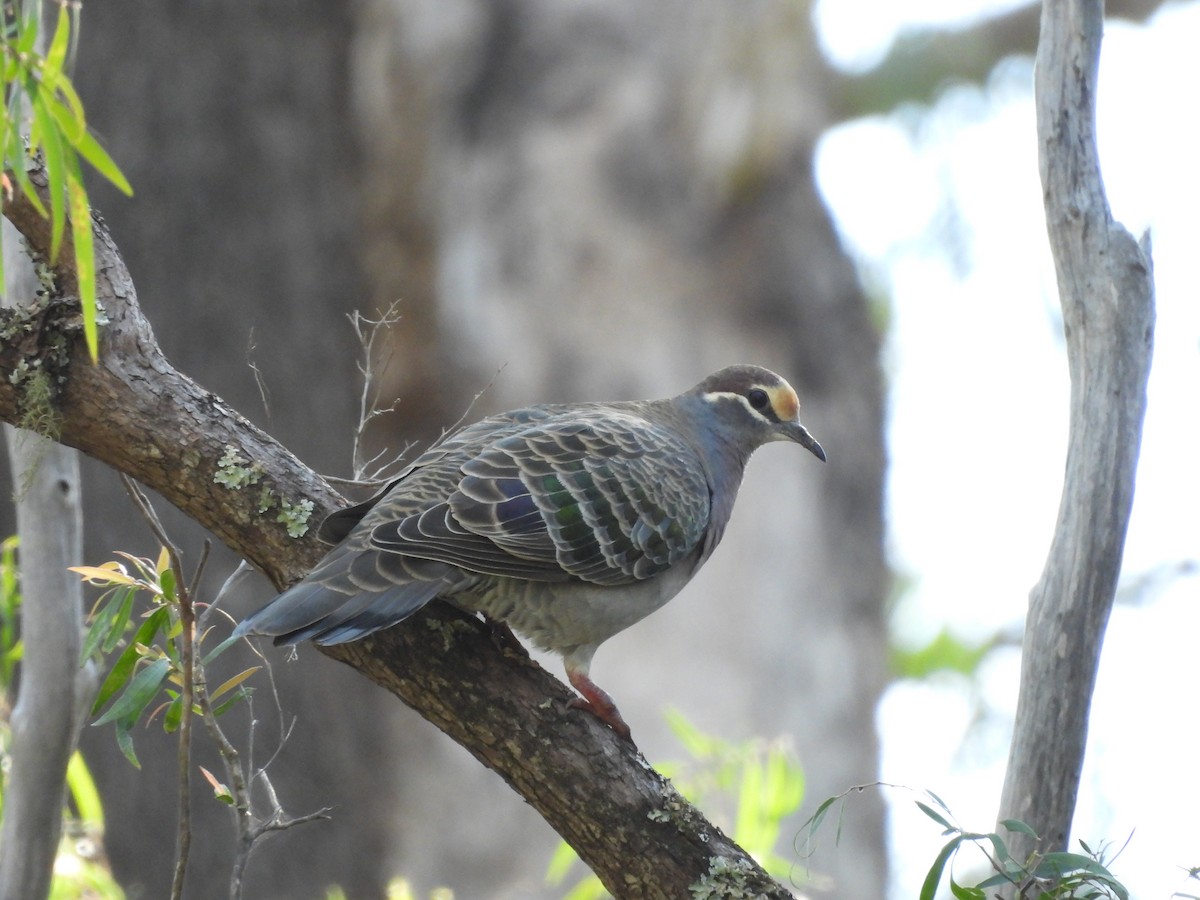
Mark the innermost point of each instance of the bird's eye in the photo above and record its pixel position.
(758, 398)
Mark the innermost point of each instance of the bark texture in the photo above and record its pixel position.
(46, 717)
(1105, 285)
(138, 414)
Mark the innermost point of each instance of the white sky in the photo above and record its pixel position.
(946, 210)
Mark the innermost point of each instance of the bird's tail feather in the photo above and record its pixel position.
(312, 610)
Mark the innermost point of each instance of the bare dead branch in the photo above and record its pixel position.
(1105, 283)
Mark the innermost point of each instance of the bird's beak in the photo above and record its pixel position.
(794, 431)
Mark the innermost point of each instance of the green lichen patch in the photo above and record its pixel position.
(295, 516)
(235, 471)
(726, 878)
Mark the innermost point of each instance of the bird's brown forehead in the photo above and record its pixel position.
(784, 401)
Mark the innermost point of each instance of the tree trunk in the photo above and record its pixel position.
(233, 124)
(1107, 294)
(46, 717)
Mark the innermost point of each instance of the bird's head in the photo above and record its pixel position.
(757, 406)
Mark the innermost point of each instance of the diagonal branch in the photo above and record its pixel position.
(134, 411)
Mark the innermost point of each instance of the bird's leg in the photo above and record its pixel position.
(596, 701)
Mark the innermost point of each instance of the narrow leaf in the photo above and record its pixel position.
(1054, 865)
(174, 716)
(233, 682)
(137, 696)
(1018, 826)
(962, 892)
(14, 149)
(85, 261)
(998, 846)
(224, 707)
(83, 791)
(109, 573)
(934, 877)
(74, 124)
(89, 148)
(125, 742)
(126, 662)
(118, 622)
(166, 581)
(57, 53)
(46, 135)
(936, 816)
(218, 650)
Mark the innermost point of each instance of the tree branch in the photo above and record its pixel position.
(134, 411)
(1105, 284)
(926, 60)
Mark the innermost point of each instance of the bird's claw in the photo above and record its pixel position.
(597, 701)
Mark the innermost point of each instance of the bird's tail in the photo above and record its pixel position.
(348, 596)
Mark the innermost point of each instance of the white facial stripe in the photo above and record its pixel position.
(715, 396)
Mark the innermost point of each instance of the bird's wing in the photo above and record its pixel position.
(607, 498)
(338, 524)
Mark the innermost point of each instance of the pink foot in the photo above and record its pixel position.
(596, 701)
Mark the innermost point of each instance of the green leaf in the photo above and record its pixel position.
(57, 54)
(101, 622)
(125, 742)
(966, 893)
(746, 828)
(998, 846)
(1011, 873)
(174, 715)
(98, 159)
(83, 791)
(120, 619)
(934, 877)
(137, 696)
(15, 153)
(218, 650)
(229, 703)
(166, 580)
(560, 864)
(27, 31)
(815, 820)
(76, 126)
(85, 261)
(1057, 864)
(936, 816)
(126, 662)
(785, 785)
(46, 135)
(1018, 826)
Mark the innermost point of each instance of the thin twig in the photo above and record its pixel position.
(187, 656)
(368, 331)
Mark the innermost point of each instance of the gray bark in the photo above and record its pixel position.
(45, 717)
(1106, 289)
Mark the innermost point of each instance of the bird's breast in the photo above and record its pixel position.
(563, 616)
